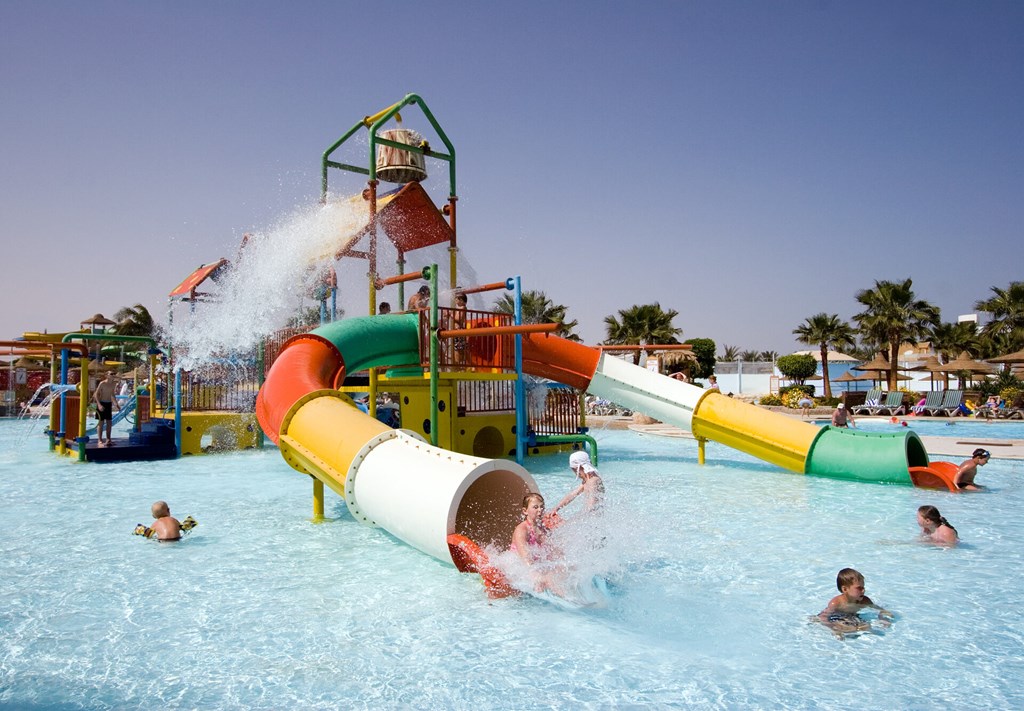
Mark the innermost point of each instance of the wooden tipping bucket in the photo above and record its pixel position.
(397, 166)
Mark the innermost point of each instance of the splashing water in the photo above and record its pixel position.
(275, 274)
(267, 283)
(585, 546)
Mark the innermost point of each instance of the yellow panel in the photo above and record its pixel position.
(228, 431)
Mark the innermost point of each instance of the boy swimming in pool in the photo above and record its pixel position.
(840, 615)
(166, 527)
(964, 478)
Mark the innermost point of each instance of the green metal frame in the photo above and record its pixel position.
(374, 124)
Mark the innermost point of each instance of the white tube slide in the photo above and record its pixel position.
(645, 391)
(420, 493)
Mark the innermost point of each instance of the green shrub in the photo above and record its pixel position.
(797, 367)
(770, 400)
(704, 350)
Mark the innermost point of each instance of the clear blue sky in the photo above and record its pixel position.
(748, 164)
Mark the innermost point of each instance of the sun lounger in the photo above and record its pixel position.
(950, 404)
(989, 411)
(892, 406)
(932, 401)
(1010, 413)
(874, 397)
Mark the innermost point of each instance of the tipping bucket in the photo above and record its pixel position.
(397, 166)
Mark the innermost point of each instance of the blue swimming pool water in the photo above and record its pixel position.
(954, 427)
(718, 568)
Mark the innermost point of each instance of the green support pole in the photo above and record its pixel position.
(571, 439)
(431, 274)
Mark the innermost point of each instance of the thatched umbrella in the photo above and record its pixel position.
(30, 364)
(877, 364)
(881, 378)
(964, 363)
(848, 377)
(931, 364)
(97, 322)
(1009, 358)
(685, 359)
(874, 367)
(1014, 361)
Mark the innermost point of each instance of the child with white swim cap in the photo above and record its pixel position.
(591, 486)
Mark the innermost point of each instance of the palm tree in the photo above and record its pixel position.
(538, 308)
(136, 321)
(951, 339)
(1007, 308)
(749, 356)
(828, 332)
(768, 356)
(133, 321)
(731, 353)
(642, 325)
(894, 314)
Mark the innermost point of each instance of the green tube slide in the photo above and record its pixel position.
(866, 456)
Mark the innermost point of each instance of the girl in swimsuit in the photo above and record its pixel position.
(935, 527)
(530, 536)
(529, 541)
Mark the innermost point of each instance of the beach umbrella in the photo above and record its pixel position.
(1009, 358)
(1013, 361)
(874, 367)
(30, 364)
(930, 364)
(964, 363)
(882, 378)
(97, 322)
(848, 377)
(878, 363)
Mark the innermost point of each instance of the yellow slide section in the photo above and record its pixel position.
(769, 436)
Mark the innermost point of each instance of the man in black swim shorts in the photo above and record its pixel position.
(104, 398)
(964, 478)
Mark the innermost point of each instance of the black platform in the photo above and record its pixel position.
(155, 441)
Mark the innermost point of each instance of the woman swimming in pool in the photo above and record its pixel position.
(935, 527)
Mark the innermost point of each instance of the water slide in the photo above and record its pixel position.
(432, 499)
(440, 501)
(892, 458)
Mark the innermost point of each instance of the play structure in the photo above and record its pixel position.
(450, 504)
(67, 430)
(438, 462)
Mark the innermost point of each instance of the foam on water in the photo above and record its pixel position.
(712, 573)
